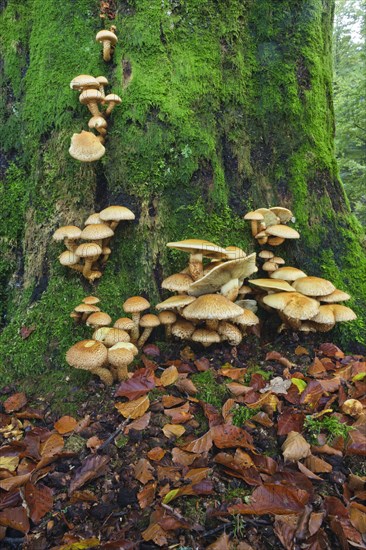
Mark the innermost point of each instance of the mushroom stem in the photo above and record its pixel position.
(93, 108)
(76, 267)
(122, 372)
(255, 227)
(70, 244)
(212, 324)
(168, 332)
(196, 266)
(144, 336)
(104, 374)
(107, 50)
(87, 270)
(110, 108)
(135, 332)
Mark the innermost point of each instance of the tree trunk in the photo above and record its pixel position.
(227, 106)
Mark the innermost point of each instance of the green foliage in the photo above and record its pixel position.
(208, 388)
(326, 424)
(242, 413)
(255, 369)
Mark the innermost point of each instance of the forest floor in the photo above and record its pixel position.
(247, 448)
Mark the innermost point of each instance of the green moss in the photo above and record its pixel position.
(330, 425)
(241, 414)
(209, 390)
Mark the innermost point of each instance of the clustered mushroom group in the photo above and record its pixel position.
(88, 146)
(98, 231)
(111, 349)
(269, 225)
(208, 307)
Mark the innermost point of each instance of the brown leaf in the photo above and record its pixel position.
(197, 474)
(143, 471)
(227, 435)
(25, 332)
(185, 385)
(155, 533)
(290, 421)
(238, 389)
(15, 402)
(83, 496)
(169, 376)
(303, 469)
(183, 458)
(227, 408)
(39, 500)
(93, 466)
(330, 350)
(295, 447)
(273, 499)
(53, 445)
(222, 543)
(14, 482)
(134, 409)
(299, 350)
(200, 445)
(16, 518)
(9, 463)
(357, 514)
(356, 443)
(317, 465)
(275, 356)
(156, 454)
(94, 443)
(169, 401)
(140, 384)
(317, 368)
(146, 495)
(312, 394)
(233, 373)
(139, 424)
(65, 424)
(173, 430)
(179, 415)
(202, 364)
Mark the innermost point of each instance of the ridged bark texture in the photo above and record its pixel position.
(227, 106)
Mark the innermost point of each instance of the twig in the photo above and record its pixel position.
(113, 435)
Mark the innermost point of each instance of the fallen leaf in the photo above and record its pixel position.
(277, 385)
(134, 409)
(222, 543)
(179, 415)
(53, 445)
(227, 408)
(356, 443)
(140, 384)
(273, 499)
(16, 518)
(146, 495)
(185, 385)
(169, 401)
(197, 474)
(15, 402)
(9, 462)
(299, 350)
(155, 533)
(330, 350)
(152, 350)
(200, 445)
(14, 482)
(156, 454)
(169, 376)
(139, 424)
(92, 467)
(82, 544)
(183, 458)
(65, 424)
(295, 447)
(94, 443)
(275, 356)
(25, 332)
(173, 430)
(227, 435)
(143, 471)
(317, 465)
(299, 383)
(357, 514)
(39, 500)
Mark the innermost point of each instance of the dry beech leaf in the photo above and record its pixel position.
(222, 543)
(233, 373)
(15, 402)
(197, 474)
(201, 445)
(16, 518)
(273, 499)
(140, 384)
(155, 533)
(185, 385)
(295, 447)
(9, 463)
(143, 471)
(238, 389)
(93, 466)
(146, 495)
(173, 430)
(134, 409)
(275, 356)
(94, 443)
(139, 424)
(182, 457)
(169, 376)
(14, 482)
(277, 385)
(169, 401)
(301, 351)
(268, 399)
(317, 465)
(179, 415)
(227, 407)
(39, 500)
(156, 454)
(303, 469)
(226, 435)
(53, 445)
(65, 424)
(357, 514)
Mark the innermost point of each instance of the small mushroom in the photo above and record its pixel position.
(86, 147)
(98, 319)
(90, 252)
(70, 259)
(113, 215)
(135, 305)
(167, 318)
(84, 82)
(99, 124)
(148, 322)
(91, 98)
(69, 234)
(112, 100)
(120, 358)
(109, 40)
(92, 356)
(102, 80)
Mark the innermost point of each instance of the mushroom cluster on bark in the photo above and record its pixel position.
(208, 306)
(88, 258)
(269, 225)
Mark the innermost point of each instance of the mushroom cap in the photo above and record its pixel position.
(353, 407)
(86, 147)
(234, 253)
(102, 80)
(66, 232)
(135, 304)
(199, 246)
(269, 266)
(334, 313)
(266, 254)
(68, 258)
(282, 231)
(179, 282)
(84, 82)
(96, 231)
(244, 290)
(288, 273)
(88, 96)
(93, 218)
(91, 300)
(103, 35)
(335, 296)
(175, 301)
(272, 284)
(87, 355)
(116, 214)
(269, 217)
(98, 319)
(126, 345)
(246, 304)
(212, 306)
(88, 250)
(112, 98)
(277, 260)
(100, 333)
(97, 122)
(222, 274)
(246, 319)
(205, 336)
(284, 214)
(293, 304)
(149, 321)
(167, 317)
(183, 329)
(254, 216)
(230, 332)
(115, 335)
(119, 357)
(313, 286)
(275, 241)
(124, 323)
(86, 308)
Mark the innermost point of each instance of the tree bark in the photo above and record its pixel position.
(227, 106)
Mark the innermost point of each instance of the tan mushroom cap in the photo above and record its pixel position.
(86, 147)
(135, 304)
(266, 254)
(244, 290)
(126, 345)
(235, 253)
(272, 284)
(167, 317)
(119, 357)
(353, 407)
(100, 333)
(334, 297)
(269, 266)
(97, 122)
(102, 80)
(175, 301)
(68, 258)
(334, 313)
(106, 35)
(116, 213)
(313, 286)
(277, 260)
(124, 323)
(247, 304)
(183, 329)
(222, 274)
(205, 336)
(88, 250)
(275, 241)
(115, 335)
(288, 273)
(93, 219)
(99, 319)
(199, 246)
(246, 319)
(229, 332)
(284, 214)
(87, 355)
(91, 300)
(86, 308)
(83, 82)
(179, 282)
(149, 320)
(269, 217)
(112, 98)
(96, 231)
(254, 216)
(66, 232)
(212, 306)
(89, 96)
(293, 304)
(282, 231)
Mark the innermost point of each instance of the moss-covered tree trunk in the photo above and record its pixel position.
(227, 106)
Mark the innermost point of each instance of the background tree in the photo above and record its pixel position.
(350, 100)
(227, 106)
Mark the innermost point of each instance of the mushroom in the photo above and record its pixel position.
(293, 304)
(120, 358)
(91, 98)
(124, 323)
(99, 124)
(167, 318)
(255, 218)
(84, 82)
(205, 336)
(284, 214)
(115, 335)
(266, 254)
(86, 147)
(282, 231)
(352, 407)
(288, 273)
(98, 319)
(183, 329)
(335, 296)
(109, 40)
(135, 305)
(230, 332)
(272, 284)
(313, 286)
(112, 100)
(175, 302)
(179, 282)
(114, 214)
(91, 252)
(93, 219)
(234, 253)
(85, 310)
(92, 300)
(198, 249)
(148, 322)
(92, 356)
(96, 232)
(102, 82)
(70, 259)
(211, 308)
(69, 234)
(270, 267)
